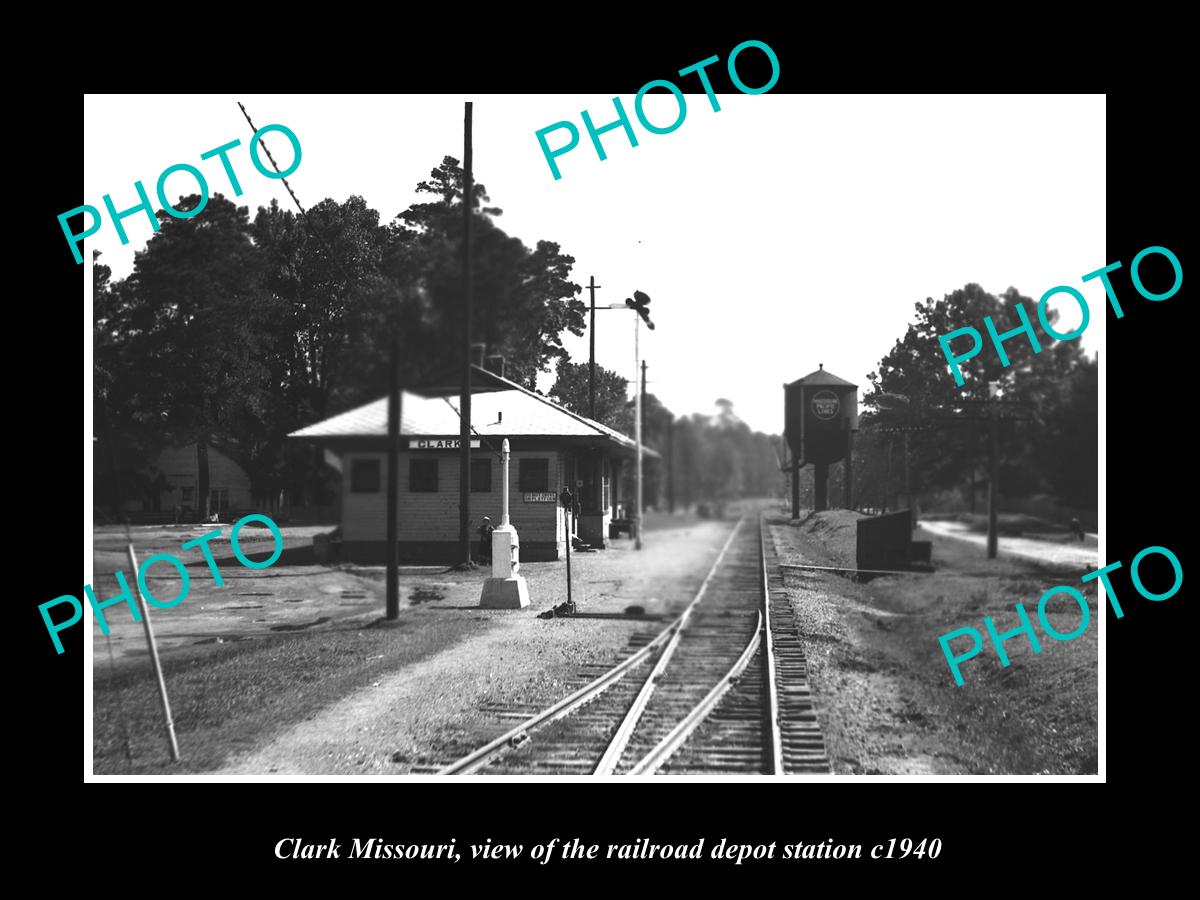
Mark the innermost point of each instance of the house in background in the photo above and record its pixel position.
(177, 478)
(551, 448)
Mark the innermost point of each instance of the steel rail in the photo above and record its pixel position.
(477, 759)
(852, 570)
(775, 758)
(653, 760)
(612, 754)
(480, 757)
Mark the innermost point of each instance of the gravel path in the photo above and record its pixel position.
(865, 704)
(885, 700)
(430, 709)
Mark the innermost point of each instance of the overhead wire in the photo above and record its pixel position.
(310, 226)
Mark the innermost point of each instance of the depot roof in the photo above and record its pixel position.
(499, 408)
(823, 378)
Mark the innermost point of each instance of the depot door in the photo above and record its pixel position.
(589, 476)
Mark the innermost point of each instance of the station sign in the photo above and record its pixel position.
(541, 497)
(438, 444)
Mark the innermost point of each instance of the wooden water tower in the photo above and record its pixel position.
(820, 418)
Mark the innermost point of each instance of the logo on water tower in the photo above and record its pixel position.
(825, 404)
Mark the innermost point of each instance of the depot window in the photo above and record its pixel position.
(534, 475)
(364, 476)
(423, 476)
(481, 476)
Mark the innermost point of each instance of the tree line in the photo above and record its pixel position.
(702, 459)
(234, 330)
(1048, 426)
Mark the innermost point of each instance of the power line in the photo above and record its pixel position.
(262, 143)
(313, 231)
(483, 439)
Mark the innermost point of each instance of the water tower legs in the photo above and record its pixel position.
(795, 491)
(848, 469)
(820, 486)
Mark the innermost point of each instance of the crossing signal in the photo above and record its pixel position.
(639, 302)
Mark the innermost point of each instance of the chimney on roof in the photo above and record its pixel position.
(477, 351)
(495, 364)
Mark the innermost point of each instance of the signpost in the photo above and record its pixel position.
(568, 502)
(168, 721)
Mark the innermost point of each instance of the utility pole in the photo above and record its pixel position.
(637, 354)
(640, 307)
(671, 464)
(887, 478)
(643, 391)
(848, 469)
(908, 493)
(643, 415)
(907, 482)
(992, 417)
(892, 399)
(795, 488)
(393, 485)
(592, 288)
(464, 400)
(993, 476)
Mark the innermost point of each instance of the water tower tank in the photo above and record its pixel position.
(820, 410)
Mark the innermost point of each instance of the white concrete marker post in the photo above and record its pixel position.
(505, 589)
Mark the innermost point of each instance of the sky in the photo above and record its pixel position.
(782, 232)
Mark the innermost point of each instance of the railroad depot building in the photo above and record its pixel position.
(551, 448)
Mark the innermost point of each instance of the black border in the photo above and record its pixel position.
(987, 829)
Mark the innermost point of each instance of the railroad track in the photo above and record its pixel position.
(722, 689)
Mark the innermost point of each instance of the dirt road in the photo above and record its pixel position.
(1083, 555)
